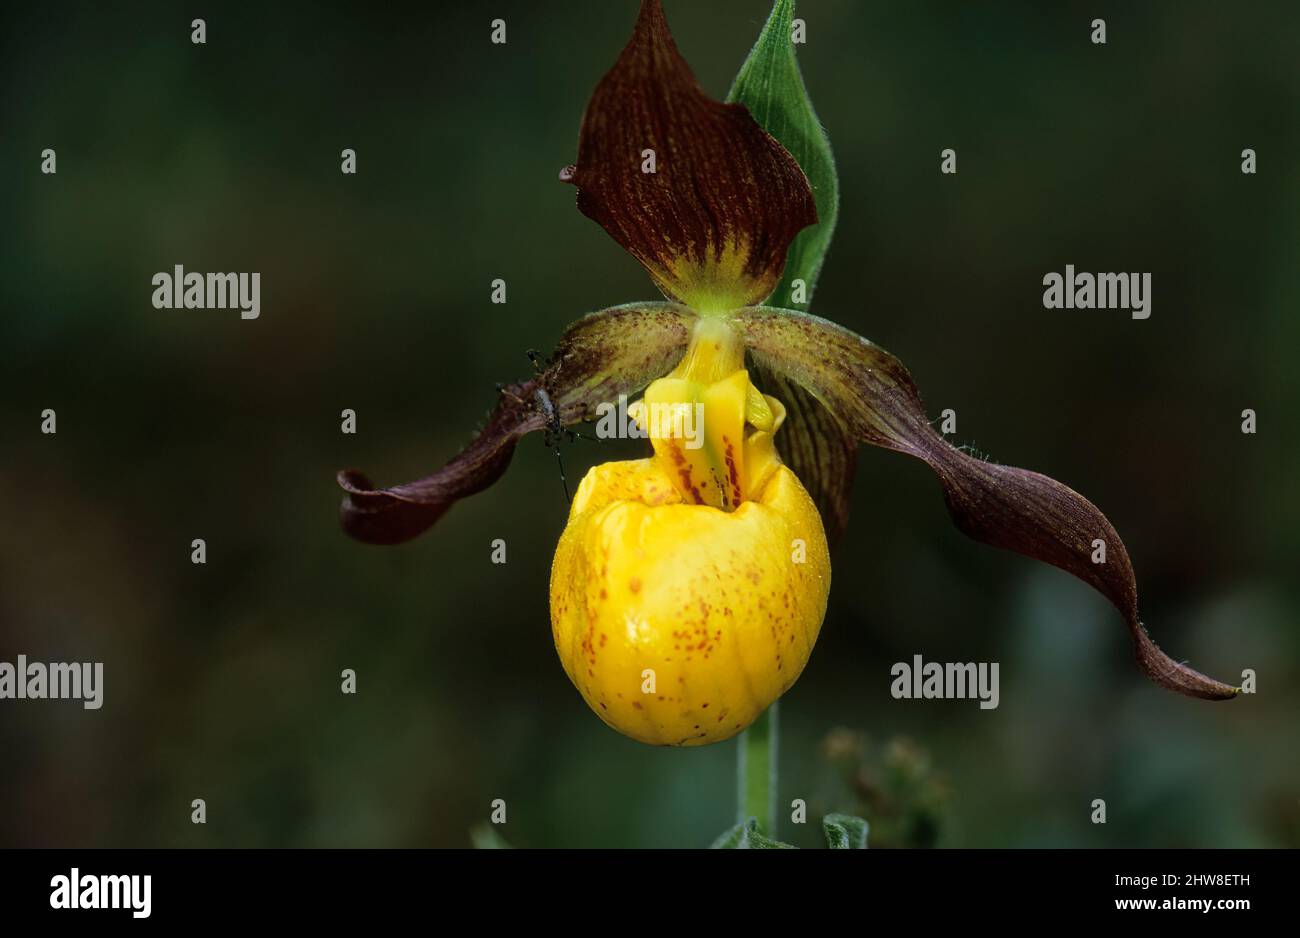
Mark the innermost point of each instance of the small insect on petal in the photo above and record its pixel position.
(615, 351)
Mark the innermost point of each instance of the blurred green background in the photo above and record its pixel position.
(222, 681)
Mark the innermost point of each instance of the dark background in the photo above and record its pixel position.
(222, 681)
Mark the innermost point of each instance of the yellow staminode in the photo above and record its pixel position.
(688, 588)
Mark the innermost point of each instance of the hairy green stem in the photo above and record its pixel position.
(756, 761)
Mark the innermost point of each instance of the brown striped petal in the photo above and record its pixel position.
(873, 394)
(816, 446)
(693, 188)
(612, 352)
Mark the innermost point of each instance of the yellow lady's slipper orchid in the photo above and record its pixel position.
(688, 588)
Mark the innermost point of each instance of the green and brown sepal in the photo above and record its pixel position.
(693, 188)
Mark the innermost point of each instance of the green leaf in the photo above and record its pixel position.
(770, 85)
(731, 839)
(845, 832)
(814, 442)
(747, 836)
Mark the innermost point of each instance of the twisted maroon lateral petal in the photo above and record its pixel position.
(612, 352)
(1019, 510)
(393, 515)
(701, 195)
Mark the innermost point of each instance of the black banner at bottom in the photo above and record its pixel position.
(231, 887)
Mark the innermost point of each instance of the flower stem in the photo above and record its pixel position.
(756, 762)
